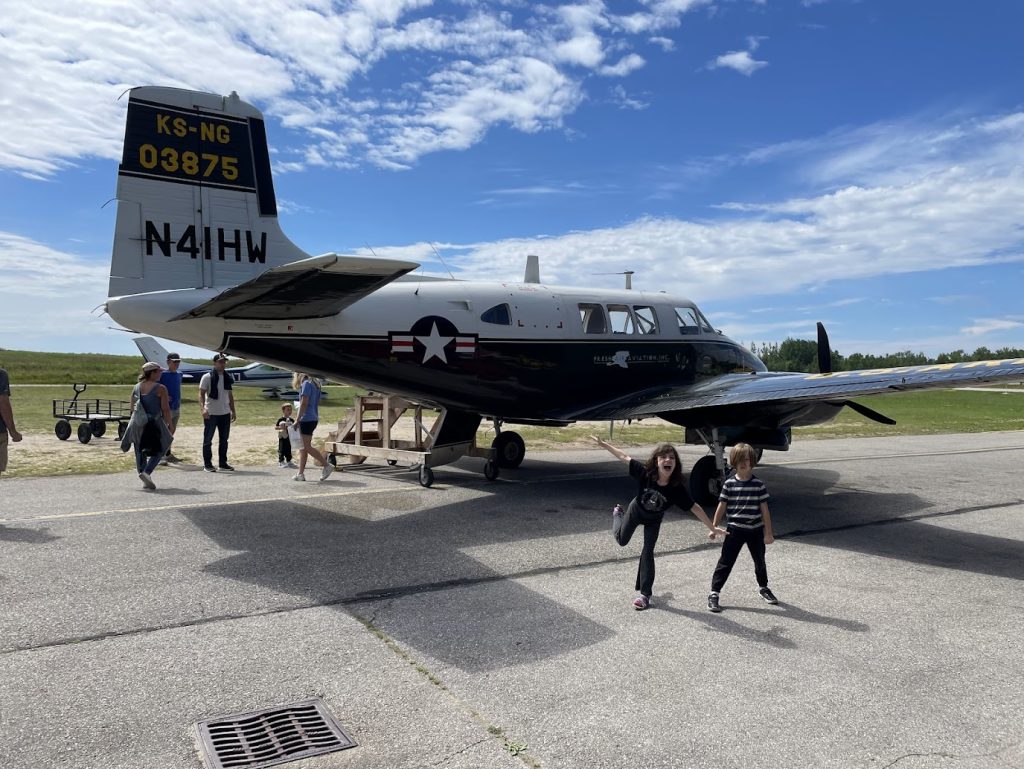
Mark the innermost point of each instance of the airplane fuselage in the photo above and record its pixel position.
(500, 350)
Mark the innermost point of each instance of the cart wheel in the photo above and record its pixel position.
(426, 477)
(62, 429)
(491, 470)
(354, 460)
(333, 459)
(97, 427)
(392, 462)
(84, 433)
(122, 428)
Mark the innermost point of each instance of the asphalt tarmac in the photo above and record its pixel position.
(489, 624)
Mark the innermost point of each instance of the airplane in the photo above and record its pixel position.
(199, 257)
(276, 382)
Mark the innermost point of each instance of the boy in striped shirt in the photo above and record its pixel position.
(744, 503)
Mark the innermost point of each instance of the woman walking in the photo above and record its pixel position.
(151, 428)
(309, 415)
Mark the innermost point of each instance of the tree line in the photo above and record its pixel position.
(802, 355)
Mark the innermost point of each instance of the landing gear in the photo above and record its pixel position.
(509, 449)
(709, 472)
(491, 470)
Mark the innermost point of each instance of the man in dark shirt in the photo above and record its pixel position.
(6, 419)
(171, 379)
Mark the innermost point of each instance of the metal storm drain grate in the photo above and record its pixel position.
(271, 736)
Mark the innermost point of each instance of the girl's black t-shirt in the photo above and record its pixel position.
(654, 499)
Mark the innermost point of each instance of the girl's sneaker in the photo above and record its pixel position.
(641, 602)
(768, 595)
(298, 477)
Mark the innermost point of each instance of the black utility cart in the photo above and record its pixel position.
(92, 414)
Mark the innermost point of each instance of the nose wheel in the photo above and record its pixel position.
(706, 481)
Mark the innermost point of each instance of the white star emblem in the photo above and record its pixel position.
(435, 344)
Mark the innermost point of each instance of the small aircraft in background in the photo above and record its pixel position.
(275, 382)
(199, 256)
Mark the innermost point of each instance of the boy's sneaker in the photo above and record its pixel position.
(210, 468)
(227, 467)
(289, 463)
(326, 472)
(768, 595)
(282, 463)
(147, 481)
(298, 477)
(641, 602)
(713, 603)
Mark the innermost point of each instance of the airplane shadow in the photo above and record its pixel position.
(369, 552)
(29, 536)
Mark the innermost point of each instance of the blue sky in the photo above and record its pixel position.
(858, 163)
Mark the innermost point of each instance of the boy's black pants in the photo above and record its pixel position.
(284, 450)
(734, 542)
(623, 527)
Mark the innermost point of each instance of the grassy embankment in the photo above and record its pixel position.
(924, 412)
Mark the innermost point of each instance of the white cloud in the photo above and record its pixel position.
(983, 326)
(667, 44)
(625, 101)
(741, 61)
(458, 75)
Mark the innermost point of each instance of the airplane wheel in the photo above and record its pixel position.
(98, 427)
(705, 482)
(509, 449)
(84, 432)
(62, 429)
(426, 477)
(122, 428)
(491, 470)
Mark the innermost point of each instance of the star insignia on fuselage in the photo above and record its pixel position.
(434, 344)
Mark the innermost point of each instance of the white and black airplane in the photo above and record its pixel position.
(199, 257)
(275, 382)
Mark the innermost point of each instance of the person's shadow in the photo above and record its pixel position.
(31, 536)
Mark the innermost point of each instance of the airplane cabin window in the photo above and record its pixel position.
(621, 319)
(689, 322)
(499, 315)
(592, 318)
(646, 319)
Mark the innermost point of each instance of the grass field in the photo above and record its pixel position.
(923, 412)
(26, 367)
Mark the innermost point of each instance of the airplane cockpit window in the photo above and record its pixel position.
(592, 318)
(621, 319)
(689, 320)
(646, 319)
(499, 315)
(705, 325)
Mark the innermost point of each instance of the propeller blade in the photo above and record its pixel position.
(824, 351)
(869, 413)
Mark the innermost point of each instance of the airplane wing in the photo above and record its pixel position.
(783, 391)
(309, 288)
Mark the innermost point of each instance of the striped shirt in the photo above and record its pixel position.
(743, 502)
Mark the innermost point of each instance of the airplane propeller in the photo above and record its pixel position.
(825, 367)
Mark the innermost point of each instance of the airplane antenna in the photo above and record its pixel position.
(628, 273)
(438, 255)
(369, 247)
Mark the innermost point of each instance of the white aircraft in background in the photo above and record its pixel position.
(275, 382)
(199, 257)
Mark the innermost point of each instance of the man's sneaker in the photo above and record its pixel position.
(641, 602)
(226, 467)
(768, 595)
(326, 472)
(713, 603)
(298, 477)
(617, 510)
(147, 481)
(210, 468)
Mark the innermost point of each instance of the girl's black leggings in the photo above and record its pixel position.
(623, 527)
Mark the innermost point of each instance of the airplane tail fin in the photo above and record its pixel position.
(151, 349)
(195, 197)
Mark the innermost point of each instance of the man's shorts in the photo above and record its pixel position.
(3, 451)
